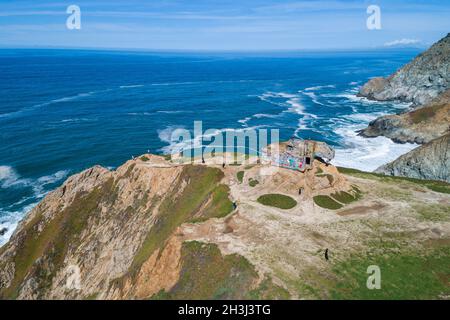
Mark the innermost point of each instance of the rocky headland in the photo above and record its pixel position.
(419, 82)
(155, 229)
(417, 126)
(424, 83)
(429, 161)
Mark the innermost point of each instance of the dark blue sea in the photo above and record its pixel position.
(62, 111)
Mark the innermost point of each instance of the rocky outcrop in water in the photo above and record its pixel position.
(430, 161)
(419, 81)
(424, 82)
(418, 126)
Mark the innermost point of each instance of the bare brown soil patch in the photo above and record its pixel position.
(362, 209)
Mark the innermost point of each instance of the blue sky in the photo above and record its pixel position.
(222, 24)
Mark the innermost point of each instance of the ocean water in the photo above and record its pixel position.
(62, 111)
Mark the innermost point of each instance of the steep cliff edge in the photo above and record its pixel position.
(430, 161)
(418, 126)
(424, 82)
(160, 230)
(117, 229)
(100, 222)
(419, 81)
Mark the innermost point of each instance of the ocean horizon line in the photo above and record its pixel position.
(220, 51)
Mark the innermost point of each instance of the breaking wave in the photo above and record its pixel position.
(366, 154)
(38, 188)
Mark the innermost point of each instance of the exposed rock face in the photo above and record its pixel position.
(418, 126)
(161, 230)
(430, 161)
(419, 81)
(99, 221)
(120, 231)
(424, 82)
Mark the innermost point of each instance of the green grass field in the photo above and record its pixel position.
(277, 200)
(327, 202)
(253, 183)
(434, 185)
(240, 176)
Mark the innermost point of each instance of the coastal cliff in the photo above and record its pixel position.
(153, 229)
(424, 82)
(120, 230)
(418, 126)
(419, 81)
(429, 161)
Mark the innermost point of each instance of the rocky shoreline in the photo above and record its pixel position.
(419, 82)
(419, 126)
(424, 83)
(429, 161)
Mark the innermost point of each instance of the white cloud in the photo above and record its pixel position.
(401, 42)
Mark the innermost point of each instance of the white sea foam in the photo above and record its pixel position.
(268, 95)
(173, 111)
(40, 183)
(7, 175)
(294, 105)
(140, 113)
(9, 178)
(320, 87)
(71, 98)
(173, 83)
(76, 120)
(357, 152)
(146, 113)
(131, 86)
(313, 97)
(257, 116)
(353, 98)
(245, 120)
(53, 177)
(6, 115)
(366, 154)
(298, 108)
(10, 220)
(190, 83)
(54, 101)
(366, 117)
(166, 135)
(265, 115)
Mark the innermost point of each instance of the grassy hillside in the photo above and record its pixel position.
(437, 186)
